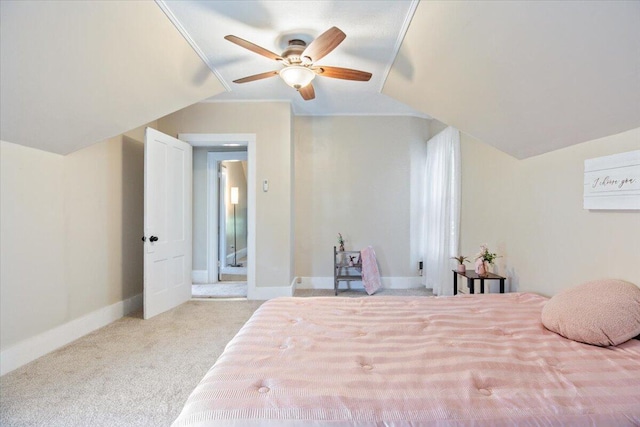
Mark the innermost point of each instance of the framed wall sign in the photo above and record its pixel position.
(612, 182)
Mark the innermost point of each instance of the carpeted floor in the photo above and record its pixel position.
(233, 277)
(132, 372)
(220, 290)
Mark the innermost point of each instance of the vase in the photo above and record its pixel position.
(341, 247)
(462, 268)
(482, 268)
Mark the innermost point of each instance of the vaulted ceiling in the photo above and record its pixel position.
(526, 77)
(74, 73)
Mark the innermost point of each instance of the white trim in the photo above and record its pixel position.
(315, 283)
(416, 114)
(199, 277)
(176, 23)
(46, 342)
(216, 139)
(411, 282)
(249, 139)
(213, 100)
(396, 48)
(269, 292)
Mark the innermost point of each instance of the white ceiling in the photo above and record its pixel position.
(526, 77)
(374, 32)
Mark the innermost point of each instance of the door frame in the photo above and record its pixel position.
(230, 140)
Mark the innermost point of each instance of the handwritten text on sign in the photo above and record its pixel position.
(612, 182)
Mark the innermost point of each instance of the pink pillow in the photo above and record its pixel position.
(602, 312)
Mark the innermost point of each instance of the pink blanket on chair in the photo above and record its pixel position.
(370, 273)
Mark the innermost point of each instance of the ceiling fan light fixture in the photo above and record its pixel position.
(297, 76)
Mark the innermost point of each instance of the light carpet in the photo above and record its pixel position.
(220, 290)
(132, 372)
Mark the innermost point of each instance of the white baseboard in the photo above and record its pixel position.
(268, 292)
(410, 282)
(199, 276)
(387, 283)
(39, 345)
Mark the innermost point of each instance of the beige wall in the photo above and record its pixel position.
(32, 268)
(531, 212)
(271, 123)
(71, 228)
(104, 211)
(362, 177)
(199, 209)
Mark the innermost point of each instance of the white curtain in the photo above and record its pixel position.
(441, 210)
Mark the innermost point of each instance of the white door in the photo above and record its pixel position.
(167, 222)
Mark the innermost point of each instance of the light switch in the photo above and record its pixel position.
(265, 185)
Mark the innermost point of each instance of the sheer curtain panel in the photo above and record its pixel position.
(441, 210)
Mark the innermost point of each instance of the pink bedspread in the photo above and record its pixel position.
(481, 360)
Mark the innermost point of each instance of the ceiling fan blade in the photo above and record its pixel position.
(256, 77)
(253, 47)
(307, 92)
(323, 44)
(342, 73)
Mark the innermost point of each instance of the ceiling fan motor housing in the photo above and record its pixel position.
(294, 51)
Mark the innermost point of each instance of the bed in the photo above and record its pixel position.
(482, 360)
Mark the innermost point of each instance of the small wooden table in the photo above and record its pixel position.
(472, 276)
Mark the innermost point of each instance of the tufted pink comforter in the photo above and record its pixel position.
(481, 360)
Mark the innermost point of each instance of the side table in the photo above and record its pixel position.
(472, 276)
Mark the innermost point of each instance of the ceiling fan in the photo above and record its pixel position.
(299, 62)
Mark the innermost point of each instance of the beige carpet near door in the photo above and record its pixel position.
(220, 290)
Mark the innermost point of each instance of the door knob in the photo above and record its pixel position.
(144, 239)
(153, 239)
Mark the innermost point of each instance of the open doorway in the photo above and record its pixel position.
(208, 151)
(220, 239)
(232, 220)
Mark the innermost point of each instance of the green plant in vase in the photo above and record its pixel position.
(483, 259)
(461, 260)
